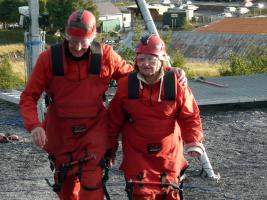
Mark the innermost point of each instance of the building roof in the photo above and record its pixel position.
(107, 8)
(158, 7)
(237, 26)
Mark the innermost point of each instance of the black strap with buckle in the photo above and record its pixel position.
(153, 148)
(78, 130)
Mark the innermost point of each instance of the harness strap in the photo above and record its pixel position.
(61, 175)
(162, 179)
(58, 64)
(169, 86)
(181, 190)
(129, 188)
(166, 185)
(164, 195)
(81, 162)
(52, 161)
(95, 65)
(70, 158)
(104, 166)
(57, 60)
(140, 176)
(64, 167)
(133, 86)
(80, 169)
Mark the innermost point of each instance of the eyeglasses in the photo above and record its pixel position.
(85, 43)
(151, 59)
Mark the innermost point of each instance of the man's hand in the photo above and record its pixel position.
(39, 137)
(181, 76)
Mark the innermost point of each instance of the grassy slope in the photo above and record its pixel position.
(204, 69)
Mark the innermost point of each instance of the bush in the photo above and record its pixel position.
(11, 36)
(187, 26)
(178, 60)
(254, 61)
(8, 79)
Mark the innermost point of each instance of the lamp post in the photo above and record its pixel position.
(34, 45)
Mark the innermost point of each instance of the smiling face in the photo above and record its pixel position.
(78, 47)
(148, 65)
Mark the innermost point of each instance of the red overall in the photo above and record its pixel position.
(152, 139)
(76, 120)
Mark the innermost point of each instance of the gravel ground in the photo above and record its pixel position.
(236, 142)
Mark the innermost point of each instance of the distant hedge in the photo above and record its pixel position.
(14, 36)
(11, 36)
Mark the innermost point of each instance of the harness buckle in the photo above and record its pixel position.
(153, 148)
(79, 130)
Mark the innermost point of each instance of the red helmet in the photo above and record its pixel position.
(151, 44)
(81, 24)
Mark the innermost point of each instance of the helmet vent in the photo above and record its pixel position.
(145, 39)
(79, 16)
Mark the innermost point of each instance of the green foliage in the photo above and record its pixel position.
(254, 61)
(8, 79)
(9, 10)
(42, 6)
(16, 36)
(59, 11)
(194, 19)
(127, 54)
(167, 38)
(138, 30)
(187, 26)
(11, 36)
(178, 60)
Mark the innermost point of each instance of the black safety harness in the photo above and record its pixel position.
(162, 183)
(57, 59)
(168, 84)
(61, 173)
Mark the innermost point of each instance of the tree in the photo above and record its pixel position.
(128, 53)
(42, 6)
(9, 11)
(59, 10)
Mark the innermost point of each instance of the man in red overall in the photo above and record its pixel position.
(157, 116)
(75, 74)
